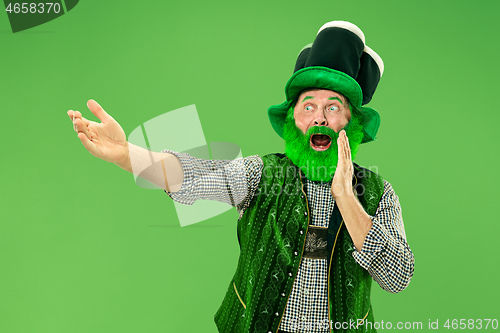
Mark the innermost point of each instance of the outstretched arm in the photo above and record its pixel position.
(106, 140)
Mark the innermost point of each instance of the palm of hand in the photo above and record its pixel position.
(342, 180)
(105, 140)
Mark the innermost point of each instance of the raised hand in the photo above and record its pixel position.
(105, 140)
(357, 221)
(342, 180)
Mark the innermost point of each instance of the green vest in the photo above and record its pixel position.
(271, 234)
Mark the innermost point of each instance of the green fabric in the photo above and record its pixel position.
(348, 283)
(271, 247)
(324, 78)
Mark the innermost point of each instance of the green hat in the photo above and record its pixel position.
(338, 60)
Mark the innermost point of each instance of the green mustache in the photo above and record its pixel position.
(318, 165)
(323, 130)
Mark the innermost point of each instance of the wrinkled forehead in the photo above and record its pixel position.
(309, 92)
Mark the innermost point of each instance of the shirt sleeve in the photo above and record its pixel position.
(230, 181)
(385, 252)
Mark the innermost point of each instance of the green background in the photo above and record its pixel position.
(83, 249)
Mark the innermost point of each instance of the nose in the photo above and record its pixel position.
(320, 119)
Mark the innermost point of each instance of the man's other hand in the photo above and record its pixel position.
(105, 140)
(342, 180)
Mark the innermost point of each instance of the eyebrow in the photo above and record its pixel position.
(338, 99)
(306, 98)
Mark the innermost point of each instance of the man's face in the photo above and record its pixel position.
(321, 107)
(311, 132)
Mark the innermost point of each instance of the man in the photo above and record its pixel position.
(314, 228)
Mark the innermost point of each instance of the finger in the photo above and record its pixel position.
(344, 143)
(80, 127)
(76, 114)
(72, 116)
(98, 111)
(85, 120)
(341, 148)
(349, 168)
(347, 149)
(89, 145)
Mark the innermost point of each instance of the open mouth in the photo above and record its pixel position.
(320, 142)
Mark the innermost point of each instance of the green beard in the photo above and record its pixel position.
(319, 165)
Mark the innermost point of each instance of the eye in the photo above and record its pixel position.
(332, 108)
(308, 108)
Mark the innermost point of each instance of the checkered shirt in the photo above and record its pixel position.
(385, 252)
